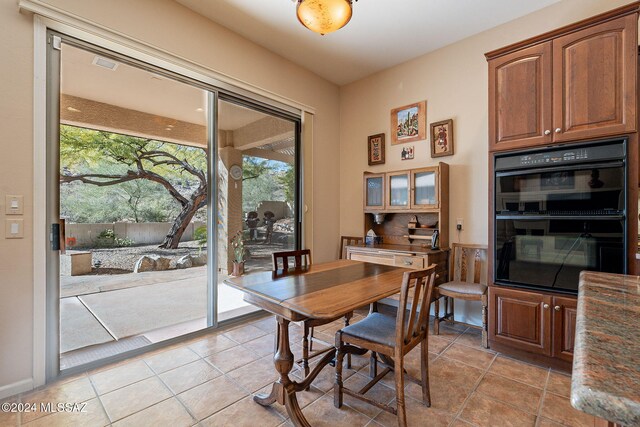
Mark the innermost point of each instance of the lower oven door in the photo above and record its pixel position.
(550, 252)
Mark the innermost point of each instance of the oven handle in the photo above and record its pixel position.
(607, 165)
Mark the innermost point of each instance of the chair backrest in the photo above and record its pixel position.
(468, 263)
(346, 241)
(412, 321)
(300, 259)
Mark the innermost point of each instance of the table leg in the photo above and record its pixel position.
(284, 390)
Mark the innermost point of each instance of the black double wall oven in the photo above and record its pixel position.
(559, 211)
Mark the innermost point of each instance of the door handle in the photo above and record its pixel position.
(545, 306)
(557, 308)
(54, 237)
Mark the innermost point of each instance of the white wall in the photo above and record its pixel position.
(453, 81)
(173, 28)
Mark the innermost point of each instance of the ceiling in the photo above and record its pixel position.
(381, 34)
(139, 102)
(141, 90)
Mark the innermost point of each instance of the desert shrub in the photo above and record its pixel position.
(200, 236)
(108, 239)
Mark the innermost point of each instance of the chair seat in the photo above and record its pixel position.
(461, 288)
(376, 327)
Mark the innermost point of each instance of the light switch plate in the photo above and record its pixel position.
(14, 228)
(14, 205)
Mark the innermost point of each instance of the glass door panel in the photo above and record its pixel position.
(425, 193)
(374, 191)
(257, 202)
(133, 193)
(398, 191)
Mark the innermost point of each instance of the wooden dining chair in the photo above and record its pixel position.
(391, 337)
(348, 241)
(301, 259)
(467, 281)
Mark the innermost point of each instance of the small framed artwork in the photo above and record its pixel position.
(409, 123)
(442, 138)
(407, 153)
(376, 149)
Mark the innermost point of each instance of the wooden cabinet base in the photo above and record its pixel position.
(536, 325)
(536, 359)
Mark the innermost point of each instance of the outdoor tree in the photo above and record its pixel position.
(264, 179)
(105, 159)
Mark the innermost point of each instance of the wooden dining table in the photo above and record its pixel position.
(320, 291)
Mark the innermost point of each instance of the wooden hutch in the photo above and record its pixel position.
(404, 208)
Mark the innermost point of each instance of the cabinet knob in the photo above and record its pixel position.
(556, 308)
(558, 130)
(545, 306)
(547, 132)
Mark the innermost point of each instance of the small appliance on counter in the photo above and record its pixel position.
(372, 239)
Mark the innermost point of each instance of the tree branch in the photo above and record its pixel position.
(129, 176)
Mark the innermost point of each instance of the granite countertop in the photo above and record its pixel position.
(606, 361)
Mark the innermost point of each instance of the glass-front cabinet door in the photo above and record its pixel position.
(424, 188)
(398, 190)
(374, 191)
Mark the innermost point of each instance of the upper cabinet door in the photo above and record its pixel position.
(398, 190)
(424, 188)
(595, 80)
(520, 98)
(374, 191)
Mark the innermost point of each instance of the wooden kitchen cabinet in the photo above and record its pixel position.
(573, 84)
(520, 98)
(532, 321)
(594, 81)
(520, 319)
(564, 327)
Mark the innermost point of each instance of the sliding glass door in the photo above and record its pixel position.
(257, 194)
(158, 191)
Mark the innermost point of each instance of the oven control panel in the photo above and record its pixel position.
(553, 158)
(559, 156)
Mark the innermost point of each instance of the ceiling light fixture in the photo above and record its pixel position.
(324, 16)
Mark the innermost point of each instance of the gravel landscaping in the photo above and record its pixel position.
(122, 260)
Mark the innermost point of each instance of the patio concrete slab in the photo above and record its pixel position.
(78, 327)
(83, 285)
(133, 311)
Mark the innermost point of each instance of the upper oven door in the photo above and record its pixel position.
(591, 189)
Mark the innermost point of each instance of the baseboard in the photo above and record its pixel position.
(15, 388)
(533, 358)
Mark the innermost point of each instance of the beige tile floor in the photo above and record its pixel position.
(210, 381)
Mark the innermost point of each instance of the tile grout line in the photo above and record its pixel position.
(473, 390)
(95, 389)
(173, 394)
(544, 396)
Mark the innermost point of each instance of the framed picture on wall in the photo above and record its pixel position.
(376, 149)
(442, 138)
(407, 153)
(409, 123)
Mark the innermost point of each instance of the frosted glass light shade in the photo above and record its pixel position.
(324, 16)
